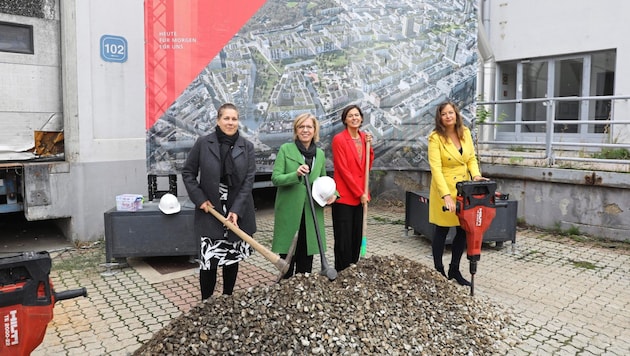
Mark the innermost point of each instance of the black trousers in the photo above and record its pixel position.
(301, 261)
(438, 242)
(208, 280)
(347, 226)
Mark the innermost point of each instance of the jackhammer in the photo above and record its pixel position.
(476, 208)
(27, 299)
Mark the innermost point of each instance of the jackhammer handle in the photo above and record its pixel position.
(496, 205)
(69, 294)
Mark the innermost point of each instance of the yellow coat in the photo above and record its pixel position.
(448, 167)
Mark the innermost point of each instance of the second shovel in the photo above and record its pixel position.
(327, 271)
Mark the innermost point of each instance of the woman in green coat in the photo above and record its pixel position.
(292, 209)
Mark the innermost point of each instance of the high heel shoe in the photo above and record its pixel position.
(454, 273)
(441, 270)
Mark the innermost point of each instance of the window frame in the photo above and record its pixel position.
(7, 45)
(516, 68)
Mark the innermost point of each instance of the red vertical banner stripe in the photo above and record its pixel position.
(182, 37)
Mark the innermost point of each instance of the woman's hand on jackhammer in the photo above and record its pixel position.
(449, 203)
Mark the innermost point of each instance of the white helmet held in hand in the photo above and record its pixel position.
(324, 188)
(169, 204)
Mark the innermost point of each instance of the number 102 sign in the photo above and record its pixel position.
(113, 48)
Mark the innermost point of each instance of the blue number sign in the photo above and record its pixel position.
(113, 48)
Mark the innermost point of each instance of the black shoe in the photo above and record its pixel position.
(441, 270)
(453, 273)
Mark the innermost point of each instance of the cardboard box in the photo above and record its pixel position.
(129, 202)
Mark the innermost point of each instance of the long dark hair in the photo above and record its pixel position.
(347, 109)
(459, 122)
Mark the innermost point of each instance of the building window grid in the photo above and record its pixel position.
(539, 110)
(502, 136)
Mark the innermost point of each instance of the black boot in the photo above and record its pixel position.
(207, 282)
(229, 278)
(454, 273)
(441, 270)
(459, 245)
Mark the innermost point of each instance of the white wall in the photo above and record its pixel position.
(29, 89)
(110, 95)
(535, 28)
(103, 109)
(521, 29)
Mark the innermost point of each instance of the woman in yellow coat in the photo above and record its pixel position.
(452, 159)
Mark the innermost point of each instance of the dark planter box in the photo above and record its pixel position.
(502, 228)
(149, 232)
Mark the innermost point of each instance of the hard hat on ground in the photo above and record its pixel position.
(169, 204)
(324, 188)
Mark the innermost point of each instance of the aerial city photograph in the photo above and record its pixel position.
(395, 59)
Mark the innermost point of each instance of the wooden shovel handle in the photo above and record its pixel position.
(280, 264)
(367, 185)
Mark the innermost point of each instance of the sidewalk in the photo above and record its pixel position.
(568, 298)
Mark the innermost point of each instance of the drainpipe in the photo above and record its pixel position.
(487, 66)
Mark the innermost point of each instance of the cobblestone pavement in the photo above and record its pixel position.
(567, 297)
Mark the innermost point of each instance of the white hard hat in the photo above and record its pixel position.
(169, 204)
(324, 188)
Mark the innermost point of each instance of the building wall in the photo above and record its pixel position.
(538, 28)
(520, 30)
(30, 88)
(103, 110)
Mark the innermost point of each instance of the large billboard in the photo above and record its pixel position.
(276, 59)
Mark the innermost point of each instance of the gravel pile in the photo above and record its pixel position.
(381, 306)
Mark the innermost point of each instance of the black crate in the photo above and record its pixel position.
(502, 228)
(149, 232)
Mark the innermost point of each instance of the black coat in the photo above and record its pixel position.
(201, 177)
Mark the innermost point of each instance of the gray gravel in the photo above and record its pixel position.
(383, 305)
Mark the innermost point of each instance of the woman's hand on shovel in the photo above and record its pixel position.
(206, 206)
(233, 218)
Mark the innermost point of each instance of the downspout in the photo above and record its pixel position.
(486, 76)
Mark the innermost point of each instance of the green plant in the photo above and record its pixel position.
(482, 114)
(573, 231)
(612, 153)
(583, 264)
(515, 160)
(516, 148)
(388, 220)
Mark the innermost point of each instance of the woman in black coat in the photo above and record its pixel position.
(219, 173)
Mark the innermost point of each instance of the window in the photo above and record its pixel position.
(571, 81)
(16, 38)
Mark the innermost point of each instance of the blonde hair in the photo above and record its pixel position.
(299, 120)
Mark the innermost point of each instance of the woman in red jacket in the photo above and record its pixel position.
(348, 149)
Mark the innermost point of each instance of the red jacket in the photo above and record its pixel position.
(349, 171)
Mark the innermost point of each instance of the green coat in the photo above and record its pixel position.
(291, 200)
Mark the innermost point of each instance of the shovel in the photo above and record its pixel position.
(365, 206)
(281, 265)
(327, 271)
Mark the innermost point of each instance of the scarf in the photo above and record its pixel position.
(308, 153)
(226, 143)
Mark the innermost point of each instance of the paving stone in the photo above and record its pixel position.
(561, 308)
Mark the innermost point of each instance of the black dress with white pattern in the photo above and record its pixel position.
(217, 250)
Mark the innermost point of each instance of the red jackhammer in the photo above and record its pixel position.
(27, 299)
(476, 203)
